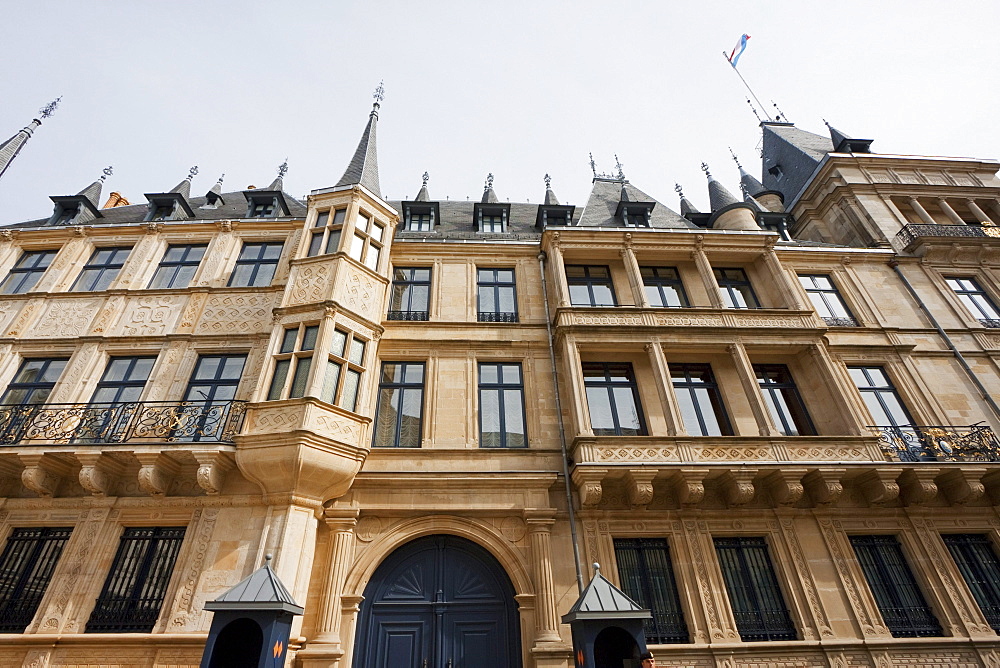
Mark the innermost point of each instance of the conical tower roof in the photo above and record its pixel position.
(686, 205)
(842, 143)
(11, 147)
(215, 192)
(363, 168)
(92, 193)
(422, 194)
(718, 196)
(550, 197)
(748, 183)
(489, 196)
(184, 187)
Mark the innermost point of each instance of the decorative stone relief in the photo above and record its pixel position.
(156, 472)
(186, 613)
(112, 307)
(66, 318)
(359, 293)
(212, 469)
(311, 283)
(23, 318)
(831, 530)
(339, 428)
(368, 528)
(88, 529)
(149, 316)
(690, 487)
(792, 540)
(513, 528)
(235, 314)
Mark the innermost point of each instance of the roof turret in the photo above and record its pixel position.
(422, 194)
(718, 196)
(489, 196)
(11, 147)
(82, 207)
(550, 197)
(686, 205)
(845, 144)
(184, 187)
(214, 195)
(363, 168)
(748, 182)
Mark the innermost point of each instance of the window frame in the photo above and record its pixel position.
(25, 284)
(667, 626)
(715, 397)
(177, 266)
(262, 207)
(296, 362)
(609, 385)
(257, 263)
(774, 623)
(33, 386)
(326, 232)
(787, 423)
(656, 282)
(978, 298)
(501, 387)
(409, 285)
(880, 392)
(589, 281)
(403, 387)
(31, 565)
(729, 287)
(97, 283)
(368, 241)
(496, 285)
(829, 298)
(345, 360)
(124, 385)
(984, 587)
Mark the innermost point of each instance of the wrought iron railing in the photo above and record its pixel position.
(833, 321)
(494, 316)
(990, 322)
(913, 231)
(177, 421)
(935, 443)
(407, 315)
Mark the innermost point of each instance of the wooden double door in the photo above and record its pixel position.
(439, 602)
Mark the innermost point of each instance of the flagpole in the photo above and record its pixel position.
(762, 107)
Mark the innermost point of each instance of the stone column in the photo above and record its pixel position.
(578, 390)
(785, 285)
(665, 386)
(765, 423)
(558, 274)
(950, 212)
(341, 524)
(634, 274)
(705, 270)
(540, 531)
(979, 213)
(921, 211)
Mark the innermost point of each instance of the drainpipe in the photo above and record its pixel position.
(894, 263)
(562, 429)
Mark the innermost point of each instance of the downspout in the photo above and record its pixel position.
(894, 263)
(562, 428)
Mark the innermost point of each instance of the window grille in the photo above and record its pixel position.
(977, 561)
(756, 599)
(975, 299)
(646, 575)
(827, 300)
(26, 567)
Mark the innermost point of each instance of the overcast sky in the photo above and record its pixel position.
(515, 88)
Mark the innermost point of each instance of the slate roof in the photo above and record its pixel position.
(455, 221)
(11, 147)
(363, 167)
(750, 184)
(261, 590)
(603, 600)
(718, 196)
(603, 204)
(796, 152)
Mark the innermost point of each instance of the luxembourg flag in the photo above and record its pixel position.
(741, 46)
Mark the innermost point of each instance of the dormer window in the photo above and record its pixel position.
(635, 214)
(491, 218)
(261, 207)
(491, 223)
(419, 222)
(65, 215)
(420, 216)
(637, 218)
(554, 214)
(776, 172)
(162, 211)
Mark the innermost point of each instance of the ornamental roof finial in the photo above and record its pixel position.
(426, 177)
(283, 169)
(704, 168)
(593, 166)
(47, 110)
(548, 182)
(679, 190)
(379, 94)
(735, 159)
(221, 178)
(489, 181)
(618, 165)
(106, 172)
(192, 173)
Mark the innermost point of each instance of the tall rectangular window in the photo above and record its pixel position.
(783, 400)
(411, 292)
(399, 415)
(977, 561)
(101, 269)
(646, 575)
(123, 380)
(133, 592)
(899, 599)
(736, 289)
(256, 265)
(497, 295)
(210, 391)
(613, 399)
(754, 594)
(699, 399)
(26, 273)
(663, 287)
(826, 300)
(590, 286)
(294, 359)
(178, 266)
(501, 406)
(33, 381)
(880, 396)
(366, 245)
(325, 235)
(344, 367)
(975, 299)
(26, 567)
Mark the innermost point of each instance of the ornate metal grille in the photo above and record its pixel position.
(26, 567)
(840, 322)
(978, 563)
(646, 576)
(122, 422)
(758, 606)
(133, 593)
(912, 232)
(497, 317)
(896, 593)
(937, 443)
(990, 322)
(407, 315)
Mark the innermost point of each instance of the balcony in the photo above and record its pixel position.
(935, 443)
(911, 235)
(497, 316)
(414, 316)
(137, 421)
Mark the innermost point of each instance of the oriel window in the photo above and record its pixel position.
(27, 272)
(783, 400)
(366, 244)
(399, 415)
(497, 295)
(699, 400)
(590, 286)
(663, 287)
(256, 265)
(613, 399)
(826, 300)
(501, 406)
(101, 269)
(411, 290)
(293, 360)
(178, 266)
(344, 366)
(736, 289)
(325, 234)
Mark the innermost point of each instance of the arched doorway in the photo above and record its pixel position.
(439, 602)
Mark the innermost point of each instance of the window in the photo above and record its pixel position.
(613, 399)
(294, 356)
(102, 268)
(880, 396)
(25, 274)
(501, 406)
(826, 300)
(636, 217)
(896, 593)
(646, 575)
(344, 367)
(123, 380)
(419, 222)
(736, 289)
(590, 286)
(497, 296)
(399, 415)
(162, 211)
(699, 399)
(326, 235)
(178, 266)
(977, 561)
(26, 566)
(133, 593)
(366, 244)
(756, 599)
(783, 400)
(256, 265)
(261, 207)
(411, 290)
(663, 287)
(210, 391)
(491, 223)
(65, 214)
(975, 299)
(33, 382)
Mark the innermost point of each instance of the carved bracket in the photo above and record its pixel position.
(212, 468)
(786, 485)
(98, 472)
(42, 473)
(156, 471)
(960, 486)
(639, 484)
(689, 485)
(589, 485)
(824, 485)
(738, 487)
(918, 484)
(879, 485)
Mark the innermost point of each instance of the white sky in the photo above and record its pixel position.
(514, 88)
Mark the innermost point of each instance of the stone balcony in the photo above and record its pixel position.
(914, 235)
(630, 316)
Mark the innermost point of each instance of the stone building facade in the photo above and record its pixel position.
(772, 423)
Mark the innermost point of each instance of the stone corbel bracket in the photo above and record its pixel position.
(824, 485)
(786, 485)
(960, 486)
(156, 472)
(99, 472)
(879, 485)
(589, 485)
(689, 486)
(43, 472)
(639, 484)
(737, 486)
(212, 468)
(918, 484)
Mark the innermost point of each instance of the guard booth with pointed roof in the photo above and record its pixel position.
(252, 623)
(607, 626)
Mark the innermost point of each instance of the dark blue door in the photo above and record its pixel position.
(439, 602)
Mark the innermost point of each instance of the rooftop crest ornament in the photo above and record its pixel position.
(106, 172)
(593, 166)
(548, 182)
(192, 173)
(283, 168)
(47, 110)
(704, 168)
(379, 93)
(489, 181)
(679, 190)
(735, 159)
(221, 178)
(426, 177)
(618, 165)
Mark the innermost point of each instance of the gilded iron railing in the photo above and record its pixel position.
(914, 231)
(177, 421)
(935, 443)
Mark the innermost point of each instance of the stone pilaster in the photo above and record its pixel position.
(540, 532)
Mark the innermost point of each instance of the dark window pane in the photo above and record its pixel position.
(645, 573)
(758, 604)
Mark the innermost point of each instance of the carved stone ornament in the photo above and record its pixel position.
(98, 473)
(156, 472)
(639, 484)
(589, 485)
(824, 485)
(212, 469)
(879, 486)
(40, 476)
(960, 486)
(918, 484)
(786, 486)
(689, 485)
(738, 487)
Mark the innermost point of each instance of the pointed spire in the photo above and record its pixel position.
(11, 147)
(184, 187)
(845, 144)
(363, 168)
(278, 184)
(550, 197)
(686, 205)
(215, 193)
(423, 195)
(489, 197)
(93, 191)
(718, 196)
(748, 182)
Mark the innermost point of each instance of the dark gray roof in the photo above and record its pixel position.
(843, 143)
(93, 193)
(261, 590)
(363, 168)
(751, 185)
(796, 153)
(550, 197)
(603, 204)
(183, 188)
(718, 196)
(455, 221)
(11, 147)
(423, 195)
(601, 600)
(489, 196)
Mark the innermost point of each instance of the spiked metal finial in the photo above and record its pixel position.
(489, 181)
(827, 124)
(754, 110)
(106, 172)
(283, 169)
(192, 173)
(618, 166)
(379, 93)
(781, 115)
(221, 178)
(47, 110)
(593, 167)
(679, 190)
(548, 182)
(735, 159)
(426, 177)
(704, 168)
